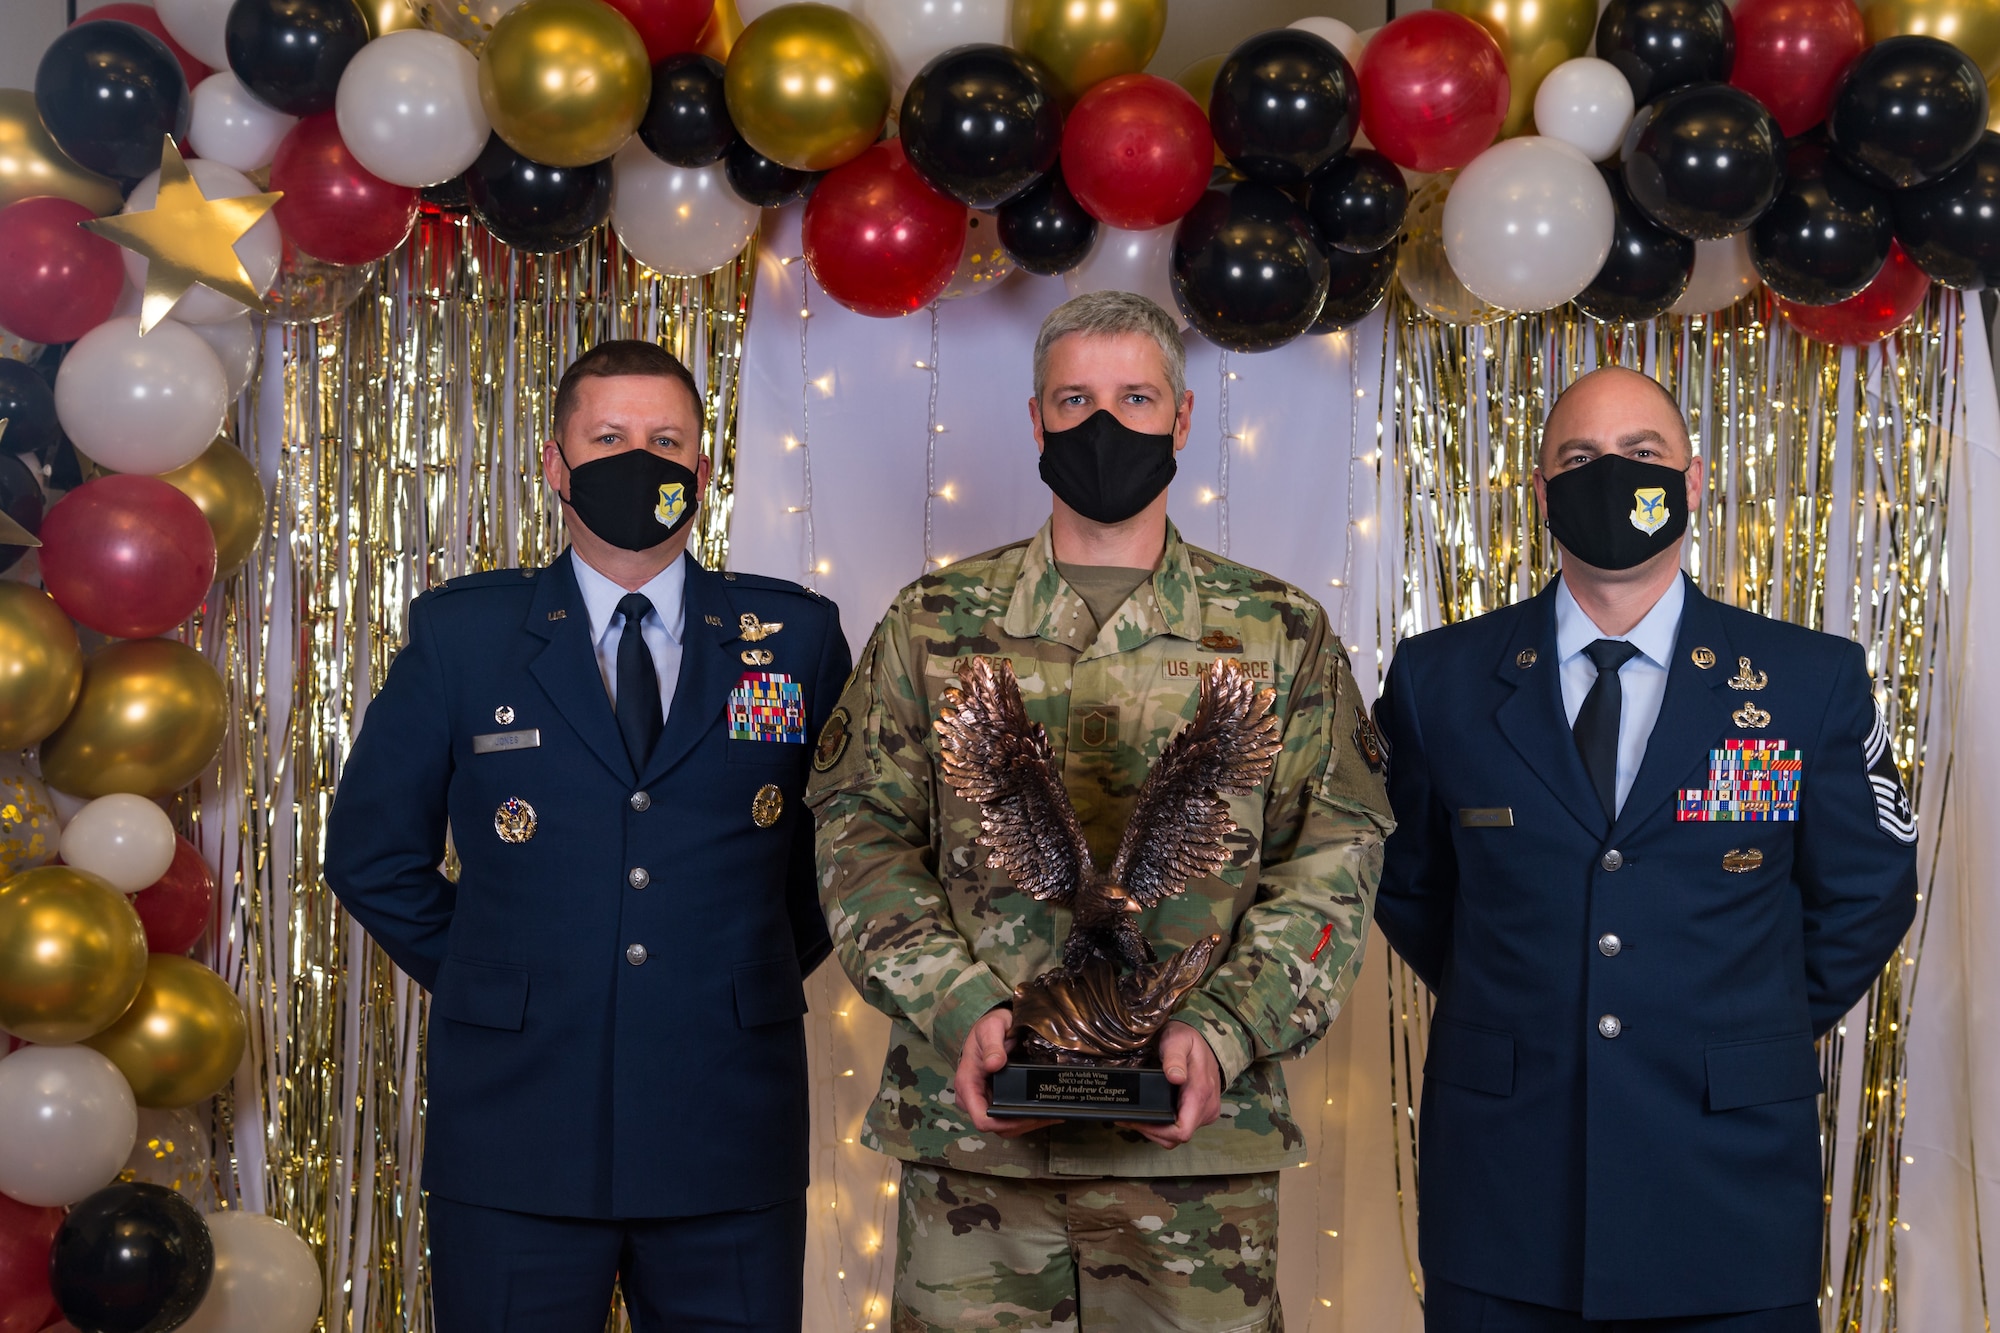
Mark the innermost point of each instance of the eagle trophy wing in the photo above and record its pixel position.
(1178, 824)
(998, 759)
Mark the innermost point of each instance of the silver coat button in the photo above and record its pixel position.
(1612, 860)
(642, 800)
(638, 878)
(1607, 1026)
(1609, 945)
(635, 954)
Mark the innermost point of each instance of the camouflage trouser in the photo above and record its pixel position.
(1087, 1255)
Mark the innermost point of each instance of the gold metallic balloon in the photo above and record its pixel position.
(72, 955)
(41, 665)
(1084, 42)
(29, 830)
(1199, 80)
(149, 720)
(719, 34)
(387, 16)
(565, 82)
(1993, 103)
(1534, 36)
(182, 1038)
(1973, 26)
(1423, 269)
(224, 485)
(808, 86)
(31, 164)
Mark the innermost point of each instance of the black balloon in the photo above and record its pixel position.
(1045, 229)
(1357, 202)
(1645, 273)
(21, 499)
(1356, 284)
(1704, 162)
(1661, 45)
(131, 1258)
(1825, 237)
(1246, 271)
(982, 123)
(533, 206)
(448, 196)
(29, 409)
(1284, 104)
(290, 53)
(110, 94)
(761, 181)
(687, 123)
(1951, 227)
(1908, 110)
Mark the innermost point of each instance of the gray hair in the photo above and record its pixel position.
(1105, 313)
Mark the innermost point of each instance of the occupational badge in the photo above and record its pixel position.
(1703, 657)
(673, 503)
(1740, 862)
(514, 821)
(1649, 509)
(757, 657)
(750, 629)
(1750, 715)
(503, 715)
(1746, 679)
(767, 805)
(833, 738)
(1218, 642)
(1893, 812)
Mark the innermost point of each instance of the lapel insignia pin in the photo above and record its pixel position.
(767, 805)
(503, 715)
(514, 821)
(713, 620)
(1742, 863)
(1218, 642)
(1746, 679)
(1750, 715)
(752, 629)
(1703, 658)
(756, 657)
(1527, 658)
(558, 615)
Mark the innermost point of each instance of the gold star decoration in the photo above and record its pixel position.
(188, 238)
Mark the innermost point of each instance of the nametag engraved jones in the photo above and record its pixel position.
(528, 738)
(1487, 816)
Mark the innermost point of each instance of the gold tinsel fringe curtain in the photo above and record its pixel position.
(1827, 505)
(405, 439)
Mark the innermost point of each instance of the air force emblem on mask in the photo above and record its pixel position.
(673, 503)
(1649, 509)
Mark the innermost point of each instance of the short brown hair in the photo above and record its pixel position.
(621, 356)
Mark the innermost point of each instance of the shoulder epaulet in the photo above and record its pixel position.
(765, 583)
(487, 578)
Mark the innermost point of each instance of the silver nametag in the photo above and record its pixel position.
(528, 738)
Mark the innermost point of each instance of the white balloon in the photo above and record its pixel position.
(1723, 275)
(266, 1279)
(684, 221)
(1344, 38)
(232, 127)
(67, 1123)
(916, 31)
(1129, 261)
(260, 248)
(138, 404)
(409, 108)
(197, 25)
(1528, 224)
(1587, 104)
(235, 343)
(124, 838)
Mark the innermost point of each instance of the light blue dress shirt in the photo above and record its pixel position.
(1642, 680)
(661, 630)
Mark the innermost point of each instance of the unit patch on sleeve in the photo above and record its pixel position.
(1748, 781)
(1892, 802)
(767, 706)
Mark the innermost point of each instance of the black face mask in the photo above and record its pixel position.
(1105, 470)
(634, 500)
(1616, 512)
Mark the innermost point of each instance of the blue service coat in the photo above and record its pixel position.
(569, 1073)
(1667, 1164)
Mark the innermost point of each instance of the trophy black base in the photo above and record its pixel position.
(1082, 1092)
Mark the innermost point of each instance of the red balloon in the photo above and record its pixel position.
(335, 209)
(127, 556)
(1137, 152)
(143, 16)
(1434, 90)
(1790, 54)
(57, 281)
(1882, 307)
(27, 1235)
(667, 27)
(175, 910)
(879, 239)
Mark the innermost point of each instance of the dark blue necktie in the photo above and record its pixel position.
(1596, 725)
(638, 683)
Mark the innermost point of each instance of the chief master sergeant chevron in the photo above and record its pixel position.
(1108, 619)
(616, 745)
(1649, 847)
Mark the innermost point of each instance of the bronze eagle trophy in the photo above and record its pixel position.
(1102, 1007)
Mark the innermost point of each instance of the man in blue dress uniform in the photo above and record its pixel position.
(616, 746)
(1649, 847)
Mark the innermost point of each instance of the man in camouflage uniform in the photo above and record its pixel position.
(1108, 619)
